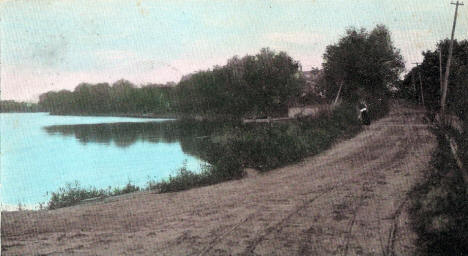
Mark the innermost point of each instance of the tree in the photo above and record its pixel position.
(279, 81)
(122, 94)
(457, 91)
(364, 65)
(122, 98)
(13, 106)
(263, 84)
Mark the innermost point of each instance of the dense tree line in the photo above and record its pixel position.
(263, 84)
(429, 72)
(260, 85)
(361, 66)
(13, 106)
(122, 97)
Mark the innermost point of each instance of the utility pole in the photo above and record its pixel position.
(447, 69)
(440, 70)
(420, 83)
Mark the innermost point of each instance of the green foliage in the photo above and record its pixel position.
(457, 91)
(439, 206)
(13, 106)
(257, 85)
(267, 146)
(367, 64)
(73, 193)
(183, 179)
(129, 188)
(319, 134)
(225, 168)
(263, 147)
(121, 98)
(439, 203)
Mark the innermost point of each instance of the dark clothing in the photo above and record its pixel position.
(365, 117)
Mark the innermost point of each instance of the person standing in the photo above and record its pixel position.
(364, 113)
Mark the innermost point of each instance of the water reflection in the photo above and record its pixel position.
(190, 134)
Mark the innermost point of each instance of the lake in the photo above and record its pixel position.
(42, 152)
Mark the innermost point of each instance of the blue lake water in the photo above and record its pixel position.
(41, 152)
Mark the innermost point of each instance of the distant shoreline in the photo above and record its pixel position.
(118, 115)
(21, 112)
(99, 115)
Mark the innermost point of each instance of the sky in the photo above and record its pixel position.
(56, 44)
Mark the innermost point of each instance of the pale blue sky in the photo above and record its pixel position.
(55, 44)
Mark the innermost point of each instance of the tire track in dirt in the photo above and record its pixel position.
(402, 147)
(375, 176)
(278, 225)
(367, 187)
(213, 243)
(350, 225)
(390, 248)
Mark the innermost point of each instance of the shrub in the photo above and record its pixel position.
(223, 169)
(183, 179)
(227, 166)
(73, 194)
(325, 130)
(129, 188)
(268, 146)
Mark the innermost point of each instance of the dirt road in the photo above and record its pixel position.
(349, 200)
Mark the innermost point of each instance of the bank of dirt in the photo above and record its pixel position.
(349, 200)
